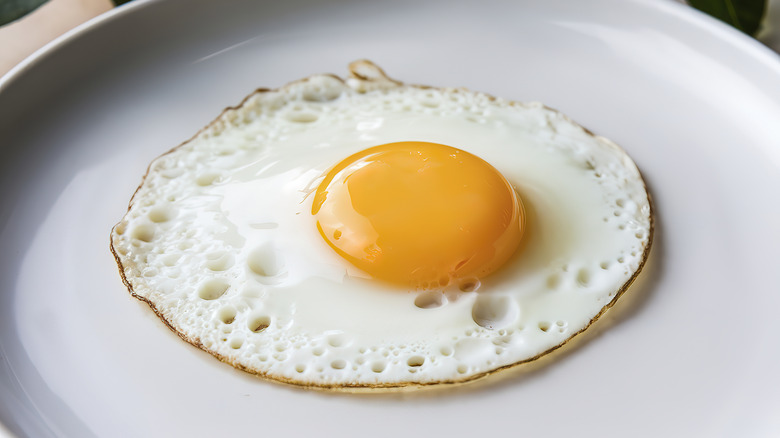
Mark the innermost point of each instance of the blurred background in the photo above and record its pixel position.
(23, 36)
(28, 25)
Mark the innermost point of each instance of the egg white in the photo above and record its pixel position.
(220, 241)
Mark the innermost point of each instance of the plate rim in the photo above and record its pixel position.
(681, 11)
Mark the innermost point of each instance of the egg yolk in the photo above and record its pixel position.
(419, 214)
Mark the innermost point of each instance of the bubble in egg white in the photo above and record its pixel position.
(219, 237)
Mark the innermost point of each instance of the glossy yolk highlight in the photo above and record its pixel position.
(419, 214)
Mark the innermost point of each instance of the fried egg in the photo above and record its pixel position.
(362, 233)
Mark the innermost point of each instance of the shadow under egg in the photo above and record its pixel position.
(531, 243)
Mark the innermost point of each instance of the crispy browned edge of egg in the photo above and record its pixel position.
(355, 69)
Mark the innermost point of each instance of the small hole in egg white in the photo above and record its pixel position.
(171, 173)
(429, 299)
(213, 289)
(302, 117)
(170, 259)
(502, 341)
(160, 214)
(338, 364)
(206, 179)
(378, 367)
(259, 323)
(221, 263)
(492, 311)
(264, 262)
(144, 233)
(227, 315)
(335, 341)
(583, 277)
(553, 281)
(415, 361)
(469, 285)
(544, 326)
(150, 272)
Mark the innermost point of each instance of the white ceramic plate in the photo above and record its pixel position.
(695, 103)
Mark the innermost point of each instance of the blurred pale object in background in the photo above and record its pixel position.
(770, 31)
(22, 37)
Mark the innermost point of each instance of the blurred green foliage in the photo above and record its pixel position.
(745, 15)
(11, 10)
